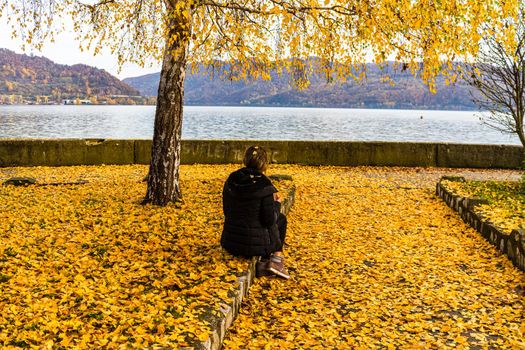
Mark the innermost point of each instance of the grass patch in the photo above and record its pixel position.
(505, 201)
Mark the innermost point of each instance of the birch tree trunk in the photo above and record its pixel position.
(163, 177)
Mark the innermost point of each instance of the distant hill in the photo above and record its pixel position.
(31, 76)
(409, 92)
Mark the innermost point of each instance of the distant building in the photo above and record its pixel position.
(77, 102)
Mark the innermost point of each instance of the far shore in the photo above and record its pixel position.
(400, 108)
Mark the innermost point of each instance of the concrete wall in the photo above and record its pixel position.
(55, 152)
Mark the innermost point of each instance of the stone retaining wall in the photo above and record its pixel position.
(512, 245)
(229, 309)
(57, 152)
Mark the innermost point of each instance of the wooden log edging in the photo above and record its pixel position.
(229, 309)
(513, 244)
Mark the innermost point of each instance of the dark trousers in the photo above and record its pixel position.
(281, 225)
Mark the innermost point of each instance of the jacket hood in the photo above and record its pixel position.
(249, 183)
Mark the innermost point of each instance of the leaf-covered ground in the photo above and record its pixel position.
(505, 201)
(375, 259)
(87, 266)
(378, 261)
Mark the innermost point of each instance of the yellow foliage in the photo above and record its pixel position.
(87, 266)
(379, 262)
(256, 35)
(376, 261)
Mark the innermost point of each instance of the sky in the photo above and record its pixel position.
(65, 51)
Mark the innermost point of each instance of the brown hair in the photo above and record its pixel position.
(256, 158)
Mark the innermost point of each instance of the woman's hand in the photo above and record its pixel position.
(277, 198)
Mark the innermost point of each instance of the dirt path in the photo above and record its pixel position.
(378, 261)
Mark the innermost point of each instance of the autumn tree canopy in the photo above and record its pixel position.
(247, 38)
(257, 34)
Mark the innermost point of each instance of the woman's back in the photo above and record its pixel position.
(243, 195)
(250, 213)
(253, 223)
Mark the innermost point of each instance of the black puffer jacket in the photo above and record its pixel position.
(250, 214)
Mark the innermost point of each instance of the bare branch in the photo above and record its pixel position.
(499, 77)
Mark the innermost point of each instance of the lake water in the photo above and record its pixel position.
(251, 123)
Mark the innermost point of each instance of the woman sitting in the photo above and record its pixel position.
(254, 225)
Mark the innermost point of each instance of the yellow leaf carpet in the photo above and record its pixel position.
(87, 266)
(379, 262)
(376, 261)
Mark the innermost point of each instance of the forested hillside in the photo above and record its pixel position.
(372, 92)
(30, 76)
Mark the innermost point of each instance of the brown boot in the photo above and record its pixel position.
(276, 265)
(261, 268)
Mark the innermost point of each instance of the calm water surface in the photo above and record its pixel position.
(261, 123)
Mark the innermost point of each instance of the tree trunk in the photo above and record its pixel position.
(521, 135)
(163, 177)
